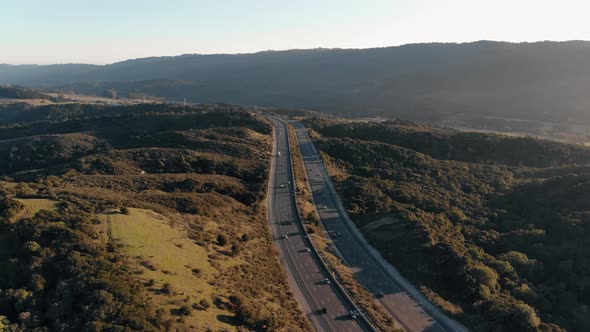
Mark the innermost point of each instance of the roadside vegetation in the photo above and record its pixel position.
(144, 218)
(491, 228)
(375, 312)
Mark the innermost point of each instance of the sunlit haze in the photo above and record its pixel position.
(106, 31)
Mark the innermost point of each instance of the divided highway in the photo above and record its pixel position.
(400, 298)
(312, 284)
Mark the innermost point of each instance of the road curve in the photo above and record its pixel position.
(305, 271)
(398, 296)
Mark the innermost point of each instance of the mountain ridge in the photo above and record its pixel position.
(541, 81)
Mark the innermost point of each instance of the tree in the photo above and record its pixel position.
(4, 324)
(221, 240)
(484, 275)
(236, 249)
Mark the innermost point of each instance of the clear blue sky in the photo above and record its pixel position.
(106, 31)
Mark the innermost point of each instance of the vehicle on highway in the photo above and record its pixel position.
(279, 154)
(327, 281)
(324, 311)
(285, 236)
(282, 185)
(352, 314)
(307, 249)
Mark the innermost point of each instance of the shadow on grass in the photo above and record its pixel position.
(227, 319)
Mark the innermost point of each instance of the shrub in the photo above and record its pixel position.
(167, 288)
(221, 239)
(204, 304)
(185, 310)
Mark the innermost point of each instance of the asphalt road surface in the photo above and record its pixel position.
(306, 275)
(392, 292)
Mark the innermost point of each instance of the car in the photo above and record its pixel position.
(324, 311)
(352, 314)
(379, 294)
(307, 249)
(282, 185)
(285, 236)
(326, 281)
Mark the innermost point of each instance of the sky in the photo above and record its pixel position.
(107, 31)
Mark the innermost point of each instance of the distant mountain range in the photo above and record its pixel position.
(545, 81)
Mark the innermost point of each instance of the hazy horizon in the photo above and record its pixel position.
(109, 31)
(286, 50)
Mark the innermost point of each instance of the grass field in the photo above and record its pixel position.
(165, 254)
(34, 205)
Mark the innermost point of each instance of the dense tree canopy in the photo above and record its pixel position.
(486, 222)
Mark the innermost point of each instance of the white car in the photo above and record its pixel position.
(307, 249)
(327, 281)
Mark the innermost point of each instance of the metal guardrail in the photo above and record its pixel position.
(424, 305)
(314, 250)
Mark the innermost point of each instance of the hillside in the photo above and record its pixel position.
(17, 92)
(139, 218)
(478, 84)
(489, 231)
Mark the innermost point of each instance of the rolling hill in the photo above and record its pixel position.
(489, 231)
(138, 218)
(542, 81)
(18, 92)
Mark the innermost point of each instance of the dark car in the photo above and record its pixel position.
(324, 311)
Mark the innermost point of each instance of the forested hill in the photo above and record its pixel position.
(449, 144)
(17, 92)
(544, 81)
(493, 229)
(138, 218)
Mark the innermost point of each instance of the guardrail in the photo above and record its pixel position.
(314, 250)
(429, 309)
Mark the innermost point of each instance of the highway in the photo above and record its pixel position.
(307, 277)
(401, 299)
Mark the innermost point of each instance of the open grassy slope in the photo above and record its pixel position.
(171, 197)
